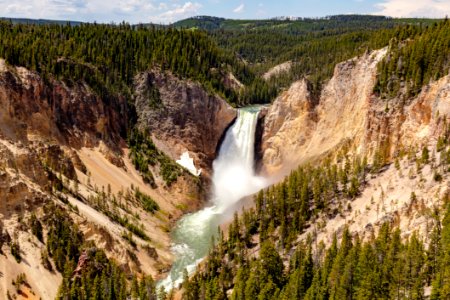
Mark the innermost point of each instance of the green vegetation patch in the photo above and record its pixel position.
(417, 56)
(143, 153)
(147, 202)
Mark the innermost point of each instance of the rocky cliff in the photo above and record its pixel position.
(182, 116)
(71, 115)
(299, 128)
(63, 146)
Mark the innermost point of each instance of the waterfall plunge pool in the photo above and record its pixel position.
(233, 179)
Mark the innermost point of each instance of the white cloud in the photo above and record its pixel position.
(239, 9)
(188, 9)
(41, 8)
(415, 8)
(133, 11)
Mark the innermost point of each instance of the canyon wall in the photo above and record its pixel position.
(184, 117)
(71, 115)
(299, 128)
(64, 146)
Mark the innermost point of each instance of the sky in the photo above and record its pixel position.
(169, 11)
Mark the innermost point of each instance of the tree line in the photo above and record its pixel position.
(417, 56)
(107, 57)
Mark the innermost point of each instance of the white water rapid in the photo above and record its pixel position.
(233, 179)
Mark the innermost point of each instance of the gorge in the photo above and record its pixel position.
(270, 159)
(233, 178)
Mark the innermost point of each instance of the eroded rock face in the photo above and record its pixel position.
(288, 124)
(297, 129)
(69, 115)
(186, 117)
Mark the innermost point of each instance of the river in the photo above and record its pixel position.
(233, 179)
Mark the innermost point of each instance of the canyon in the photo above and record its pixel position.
(54, 129)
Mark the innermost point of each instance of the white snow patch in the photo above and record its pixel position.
(187, 162)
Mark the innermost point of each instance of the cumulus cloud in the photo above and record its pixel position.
(133, 11)
(239, 9)
(177, 11)
(41, 8)
(416, 8)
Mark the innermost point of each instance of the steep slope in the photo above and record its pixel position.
(299, 128)
(372, 173)
(74, 116)
(286, 247)
(183, 116)
(64, 148)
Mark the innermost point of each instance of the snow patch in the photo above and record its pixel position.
(187, 162)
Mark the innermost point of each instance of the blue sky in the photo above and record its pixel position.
(168, 11)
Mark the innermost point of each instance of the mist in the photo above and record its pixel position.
(233, 179)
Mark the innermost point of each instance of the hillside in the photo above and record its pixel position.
(312, 46)
(83, 161)
(296, 26)
(39, 21)
(74, 54)
(365, 215)
(62, 152)
(111, 139)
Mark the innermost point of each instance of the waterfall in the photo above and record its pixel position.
(234, 175)
(233, 178)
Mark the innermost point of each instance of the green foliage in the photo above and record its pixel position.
(15, 251)
(143, 153)
(271, 263)
(129, 238)
(63, 238)
(20, 280)
(36, 227)
(297, 26)
(154, 97)
(125, 222)
(417, 56)
(107, 57)
(147, 202)
(87, 272)
(314, 46)
(99, 278)
(441, 282)
(382, 267)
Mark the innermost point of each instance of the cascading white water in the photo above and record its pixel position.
(234, 175)
(233, 179)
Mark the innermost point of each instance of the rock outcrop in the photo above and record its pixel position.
(183, 117)
(64, 144)
(73, 116)
(299, 129)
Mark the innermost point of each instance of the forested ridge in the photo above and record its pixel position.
(297, 26)
(314, 46)
(417, 56)
(261, 257)
(87, 271)
(107, 57)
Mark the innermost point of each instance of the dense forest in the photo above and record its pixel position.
(417, 56)
(107, 57)
(297, 26)
(314, 46)
(261, 256)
